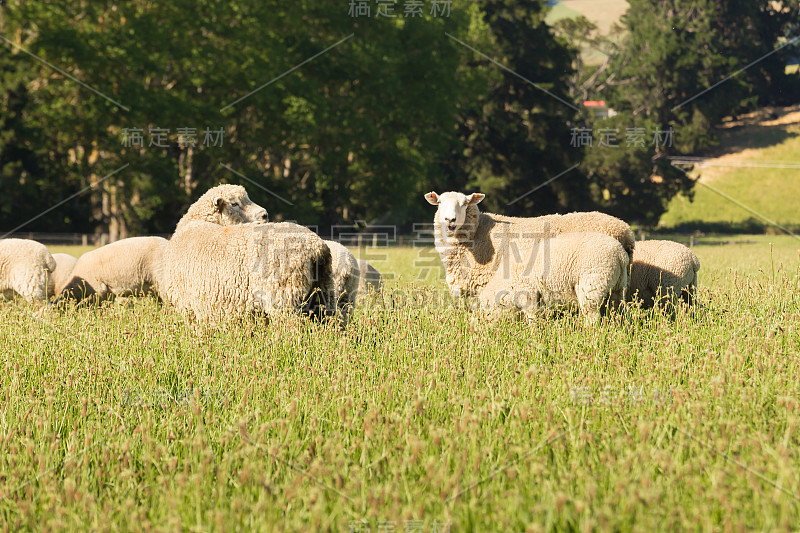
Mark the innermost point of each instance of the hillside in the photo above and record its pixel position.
(604, 13)
(757, 164)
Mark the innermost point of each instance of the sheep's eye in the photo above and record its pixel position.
(234, 204)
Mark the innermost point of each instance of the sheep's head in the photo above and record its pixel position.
(227, 205)
(452, 209)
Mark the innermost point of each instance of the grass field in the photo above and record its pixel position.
(416, 418)
(758, 166)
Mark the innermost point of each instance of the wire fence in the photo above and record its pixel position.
(382, 238)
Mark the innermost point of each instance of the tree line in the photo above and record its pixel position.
(332, 115)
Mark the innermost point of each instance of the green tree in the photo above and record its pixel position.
(353, 134)
(513, 137)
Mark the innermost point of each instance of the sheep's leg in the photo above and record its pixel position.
(688, 293)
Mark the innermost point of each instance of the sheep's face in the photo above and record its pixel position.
(452, 209)
(233, 206)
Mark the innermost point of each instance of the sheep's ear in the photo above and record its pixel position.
(432, 198)
(475, 198)
(219, 203)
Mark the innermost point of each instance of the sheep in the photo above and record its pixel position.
(59, 278)
(662, 272)
(584, 269)
(369, 279)
(25, 266)
(472, 245)
(128, 267)
(345, 278)
(225, 205)
(212, 272)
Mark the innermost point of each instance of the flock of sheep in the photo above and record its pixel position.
(225, 259)
(590, 260)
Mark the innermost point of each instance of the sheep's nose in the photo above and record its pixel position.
(264, 216)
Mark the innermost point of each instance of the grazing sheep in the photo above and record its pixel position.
(225, 205)
(587, 270)
(369, 279)
(128, 267)
(473, 245)
(25, 266)
(662, 270)
(345, 278)
(59, 278)
(214, 272)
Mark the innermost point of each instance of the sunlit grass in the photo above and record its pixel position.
(769, 191)
(128, 418)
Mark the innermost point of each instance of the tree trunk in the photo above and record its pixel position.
(185, 169)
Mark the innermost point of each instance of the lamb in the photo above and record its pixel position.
(473, 245)
(369, 279)
(212, 272)
(662, 272)
(59, 278)
(345, 278)
(224, 205)
(587, 270)
(128, 267)
(25, 266)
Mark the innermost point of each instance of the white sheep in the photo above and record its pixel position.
(662, 270)
(213, 272)
(473, 245)
(345, 278)
(218, 265)
(369, 279)
(224, 205)
(587, 270)
(25, 266)
(128, 267)
(59, 278)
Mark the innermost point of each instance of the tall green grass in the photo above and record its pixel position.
(127, 418)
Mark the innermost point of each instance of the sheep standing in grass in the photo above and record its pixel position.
(25, 267)
(662, 272)
(587, 270)
(129, 267)
(345, 278)
(473, 245)
(213, 272)
(58, 279)
(369, 279)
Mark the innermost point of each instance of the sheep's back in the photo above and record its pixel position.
(663, 263)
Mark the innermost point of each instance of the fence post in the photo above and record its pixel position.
(691, 242)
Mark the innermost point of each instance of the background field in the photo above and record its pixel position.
(127, 418)
(757, 164)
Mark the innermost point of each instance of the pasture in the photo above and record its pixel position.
(756, 163)
(416, 418)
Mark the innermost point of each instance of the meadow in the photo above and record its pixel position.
(756, 165)
(417, 417)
